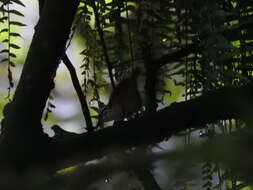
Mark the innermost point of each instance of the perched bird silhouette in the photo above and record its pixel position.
(124, 100)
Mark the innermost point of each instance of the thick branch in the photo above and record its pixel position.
(75, 81)
(22, 131)
(221, 104)
(217, 105)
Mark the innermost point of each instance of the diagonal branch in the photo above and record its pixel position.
(22, 133)
(81, 96)
(226, 103)
(75, 81)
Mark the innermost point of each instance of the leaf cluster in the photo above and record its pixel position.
(8, 29)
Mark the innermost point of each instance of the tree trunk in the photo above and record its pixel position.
(22, 139)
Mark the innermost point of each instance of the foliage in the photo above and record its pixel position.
(8, 26)
(133, 30)
(122, 35)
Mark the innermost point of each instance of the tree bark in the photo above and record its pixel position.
(22, 136)
(226, 103)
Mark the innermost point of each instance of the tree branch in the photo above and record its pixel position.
(226, 103)
(81, 96)
(75, 81)
(221, 104)
(22, 132)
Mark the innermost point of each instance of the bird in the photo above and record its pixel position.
(125, 99)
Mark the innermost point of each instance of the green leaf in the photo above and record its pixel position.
(5, 41)
(17, 23)
(4, 30)
(2, 19)
(4, 60)
(12, 55)
(12, 64)
(51, 105)
(14, 34)
(95, 116)
(18, 2)
(95, 109)
(14, 46)
(15, 12)
(4, 51)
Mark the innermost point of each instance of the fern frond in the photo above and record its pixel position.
(7, 23)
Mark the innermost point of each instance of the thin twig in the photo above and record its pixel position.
(81, 96)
